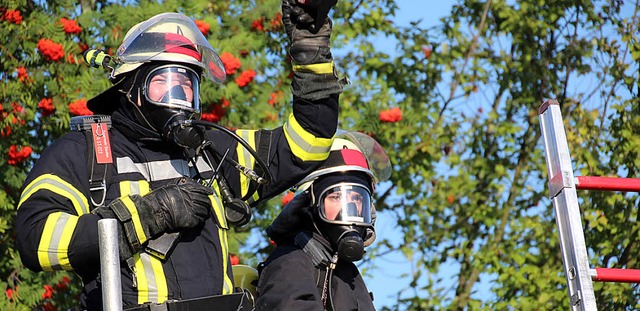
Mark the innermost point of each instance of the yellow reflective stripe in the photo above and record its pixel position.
(162, 291)
(321, 69)
(218, 208)
(56, 185)
(152, 284)
(53, 250)
(244, 158)
(227, 287)
(143, 187)
(218, 211)
(135, 219)
(141, 279)
(128, 187)
(149, 274)
(303, 144)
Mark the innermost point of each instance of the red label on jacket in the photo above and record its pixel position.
(101, 143)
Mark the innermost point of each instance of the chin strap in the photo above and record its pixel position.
(322, 260)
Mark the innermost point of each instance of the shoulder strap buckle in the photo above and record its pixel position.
(100, 188)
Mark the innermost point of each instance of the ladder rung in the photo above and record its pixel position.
(615, 275)
(608, 183)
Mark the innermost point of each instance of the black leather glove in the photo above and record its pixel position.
(314, 76)
(166, 209)
(310, 14)
(293, 218)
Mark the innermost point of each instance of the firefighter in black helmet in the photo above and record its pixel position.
(323, 230)
(152, 185)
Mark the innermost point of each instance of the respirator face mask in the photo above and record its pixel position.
(173, 86)
(172, 93)
(345, 212)
(345, 203)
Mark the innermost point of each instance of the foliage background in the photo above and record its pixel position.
(455, 107)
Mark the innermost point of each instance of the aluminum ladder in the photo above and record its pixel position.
(562, 190)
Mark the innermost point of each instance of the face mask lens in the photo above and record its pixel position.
(175, 87)
(346, 203)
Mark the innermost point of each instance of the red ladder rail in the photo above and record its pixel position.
(607, 183)
(615, 275)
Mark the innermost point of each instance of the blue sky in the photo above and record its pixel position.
(385, 280)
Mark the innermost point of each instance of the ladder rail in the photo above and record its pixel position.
(562, 190)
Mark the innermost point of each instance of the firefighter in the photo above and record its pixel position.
(322, 232)
(154, 184)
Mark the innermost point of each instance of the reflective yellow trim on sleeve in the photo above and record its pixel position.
(56, 185)
(53, 249)
(321, 69)
(245, 159)
(128, 187)
(303, 144)
(135, 219)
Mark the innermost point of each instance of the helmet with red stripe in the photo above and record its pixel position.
(170, 37)
(164, 39)
(353, 152)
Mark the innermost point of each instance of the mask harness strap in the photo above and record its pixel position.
(322, 260)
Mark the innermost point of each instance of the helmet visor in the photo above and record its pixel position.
(374, 153)
(171, 37)
(346, 203)
(173, 86)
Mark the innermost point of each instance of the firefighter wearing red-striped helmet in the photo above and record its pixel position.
(341, 191)
(323, 230)
(158, 67)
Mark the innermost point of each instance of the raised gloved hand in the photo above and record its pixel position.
(310, 14)
(314, 76)
(166, 209)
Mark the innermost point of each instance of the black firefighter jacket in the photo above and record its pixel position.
(289, 280)
(56, 231)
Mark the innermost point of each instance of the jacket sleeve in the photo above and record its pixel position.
(290, 152)
(288, 282)
(54, 229)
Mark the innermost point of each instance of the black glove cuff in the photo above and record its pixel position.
(128, 243)
(123, 214)
(311, 86)
(303, 54)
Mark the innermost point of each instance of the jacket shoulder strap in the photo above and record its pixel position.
(99, 157)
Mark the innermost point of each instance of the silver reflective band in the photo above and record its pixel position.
(161, 170)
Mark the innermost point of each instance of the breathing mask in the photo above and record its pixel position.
(342, 205)
(170, 100)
